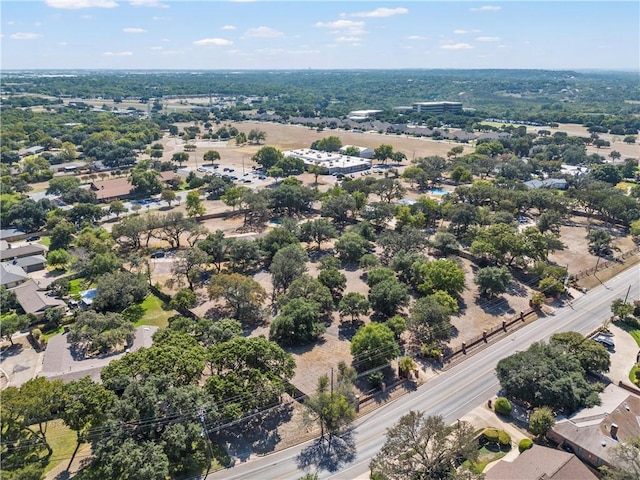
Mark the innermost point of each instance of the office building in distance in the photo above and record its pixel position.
(437, 107)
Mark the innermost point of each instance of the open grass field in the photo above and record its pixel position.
(155, 313)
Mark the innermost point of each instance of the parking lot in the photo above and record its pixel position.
(248, 177)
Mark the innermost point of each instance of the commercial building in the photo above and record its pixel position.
(437, 107)
(333, 162)
(363, 114)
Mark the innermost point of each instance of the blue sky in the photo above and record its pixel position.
(146, 34)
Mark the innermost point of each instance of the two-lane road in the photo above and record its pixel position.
(452, 393)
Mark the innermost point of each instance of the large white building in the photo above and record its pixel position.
(332, 161)
(437, 107)
(365, 152)
(363, 114)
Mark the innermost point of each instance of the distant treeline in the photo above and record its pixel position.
(607, 99)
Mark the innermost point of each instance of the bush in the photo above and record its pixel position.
(504, 438)
(525, 444)
(503, 406)
(490, 434)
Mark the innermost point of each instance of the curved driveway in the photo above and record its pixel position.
(452, 393)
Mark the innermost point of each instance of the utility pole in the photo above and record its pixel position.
(332, 379)
(206, 439)
(627, 295)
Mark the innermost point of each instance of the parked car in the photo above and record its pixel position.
(33, 238)
(157, 254)
(606, 341)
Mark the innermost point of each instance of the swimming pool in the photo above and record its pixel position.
(437, 191)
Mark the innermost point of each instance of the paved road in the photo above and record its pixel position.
(452, 394)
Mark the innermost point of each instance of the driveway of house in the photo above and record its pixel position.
(18, 363)
(59, 363)
(623, 358)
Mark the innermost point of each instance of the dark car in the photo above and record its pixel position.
(158, 254)
(33, 238)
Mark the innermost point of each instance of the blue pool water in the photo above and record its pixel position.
(437, 191)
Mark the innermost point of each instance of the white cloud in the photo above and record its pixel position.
(347, 39)
(133, 30)
(76, 4)
(416, 37)
(157, 48)
(11, 22)
(62, 44)
(220, 42)
(262, 32)
(156, 18)
(86, 17)
(382, 12)
(457, 46)
(117, 54)
(148, 3)
(487, 39)
(351, 27)
(229, 27)
(24, 36)
(460, 32)
(486, 8)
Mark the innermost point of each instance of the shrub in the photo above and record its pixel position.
(504, 438)
(491, 435)
(503, 406)
(525, 444)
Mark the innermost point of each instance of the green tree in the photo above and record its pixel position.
(145, 182)
(383, 152)
(184, 298)
(190, 264)
(211, 156)
(421, 446)
(180, 157)
(243, 296)
(493, 280)
(318, 230)
(311, 289)
(11, 324)
(328, 144)
(593, 357)
(168, 196)
(437, 275)
(625, 460)
(84, 406)
(621, 309)
(102, 333)
(288, 264)
(117, 208)
(331, 409)
(195, 206)
(267, 157)
(119, 290)
(60, 185)
(354, 304)
(541, 421)
(373, 345)
(350, 246)
(298, 323)
(429, 321)
(388, 296)
(334, 280)
(546, 375)
(58, 258)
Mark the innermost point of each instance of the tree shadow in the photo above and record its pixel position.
(262, 432)
(347, 329)
(10, 350)
(496, 306)
(328, 453)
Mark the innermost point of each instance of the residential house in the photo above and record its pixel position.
(11, 234)
(21, 252)
(592, 432)
(541, 463)
(32, 263)
(11, 275)
(114, 189)
(34, 299)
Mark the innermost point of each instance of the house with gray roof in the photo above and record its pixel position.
(11, 275)
(34, 299)
(31, 263)
(553, 183)
(592, 432)
(21, 252)
(541, 463)
(11, 234)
